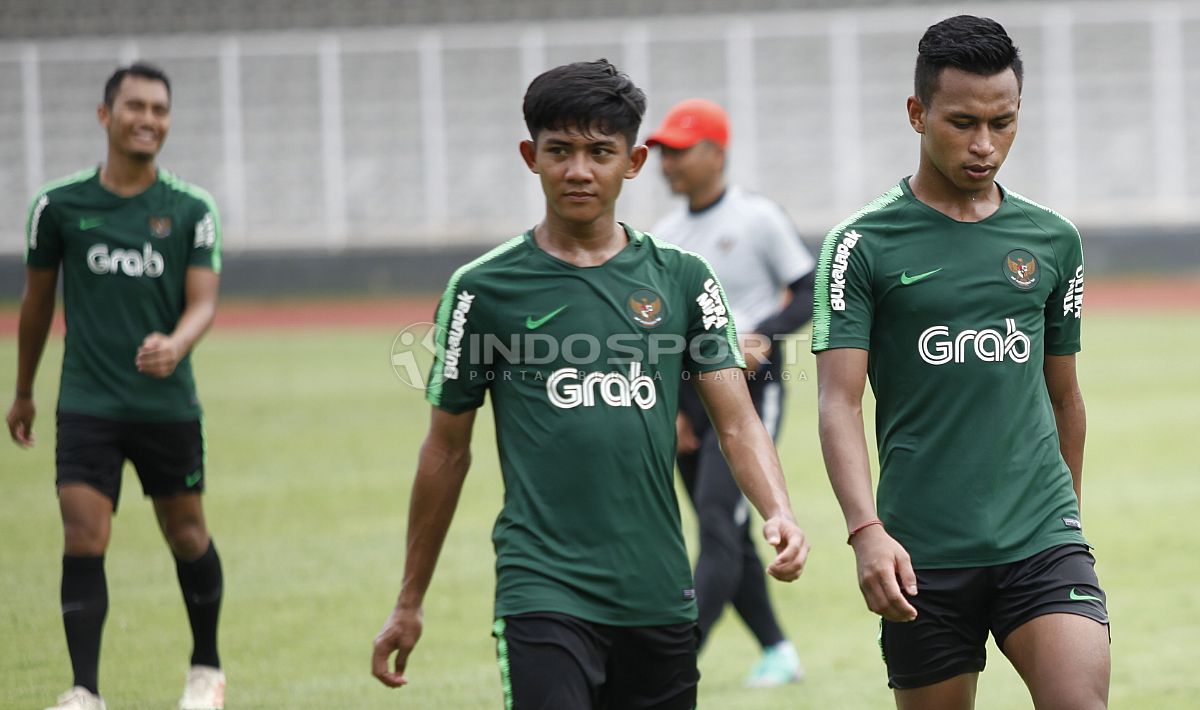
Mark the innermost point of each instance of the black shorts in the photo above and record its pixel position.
(551, 661)
(956, 608)
(168, 456)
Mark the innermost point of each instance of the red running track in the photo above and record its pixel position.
(1166, 294)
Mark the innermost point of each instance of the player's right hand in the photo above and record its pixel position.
(20, 421)
(399, 634)
(791, 546)
(885, 574)
(158, 356)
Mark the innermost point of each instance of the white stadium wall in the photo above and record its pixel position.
(406, 136)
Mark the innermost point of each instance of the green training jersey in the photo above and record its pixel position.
(583, 366)
(958, 317)
(124, 263)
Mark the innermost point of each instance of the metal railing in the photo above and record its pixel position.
(408, 137)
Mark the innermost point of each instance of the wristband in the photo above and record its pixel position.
(862, 526)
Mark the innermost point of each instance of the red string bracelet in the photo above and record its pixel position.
(862, 526)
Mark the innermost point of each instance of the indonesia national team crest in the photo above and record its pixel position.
(1021, 269)
(646, 308)
(160, 227)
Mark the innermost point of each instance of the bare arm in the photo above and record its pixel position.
(883, 564)
(755, 465)
(160, 353)
(1069, 415)
(37, 312)
(444, 460)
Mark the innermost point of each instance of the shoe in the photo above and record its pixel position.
(204, 689)
(779, 665)
(79, 698)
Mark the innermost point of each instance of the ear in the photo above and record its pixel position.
(529, 154)
(637, 160)
(103, 115)
(916, 114)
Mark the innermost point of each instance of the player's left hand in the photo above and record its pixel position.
(791, 547)
(399, 635)
(158, 356)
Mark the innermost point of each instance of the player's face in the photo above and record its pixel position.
(694, 169)
(969, 127)
(139, 118)
(582, 174)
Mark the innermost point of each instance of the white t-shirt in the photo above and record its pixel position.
(751, 244)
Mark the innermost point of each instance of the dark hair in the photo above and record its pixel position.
(584, 96)
(146, 71)
(977, 45)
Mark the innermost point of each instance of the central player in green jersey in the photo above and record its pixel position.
(961, 301)
(582, 329)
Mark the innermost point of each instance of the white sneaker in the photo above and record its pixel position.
(204, 689)
(79, 698)
(780, 665)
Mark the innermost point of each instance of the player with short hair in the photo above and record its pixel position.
(768, 275)
(595, 606)
(140, 256)
(961, 301)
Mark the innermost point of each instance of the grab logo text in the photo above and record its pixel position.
(937, 347)
(130, 262)
(569, 387)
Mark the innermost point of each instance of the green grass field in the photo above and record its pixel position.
(312, 444)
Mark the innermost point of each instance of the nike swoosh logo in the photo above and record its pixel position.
(1077, 597)
(90, 223)
(533, 324)
(905, 279)
(192, 479)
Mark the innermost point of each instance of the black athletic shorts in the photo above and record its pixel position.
(551, 661)
(168, 456)
(956, 608)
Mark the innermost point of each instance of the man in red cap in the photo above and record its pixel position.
(758, 256)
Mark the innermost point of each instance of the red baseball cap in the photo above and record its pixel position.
(692, 121)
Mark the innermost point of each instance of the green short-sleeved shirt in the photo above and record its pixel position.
(584, 389)
(958, 318)
(124, 264)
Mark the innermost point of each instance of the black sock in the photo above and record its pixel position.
(202, 585)
(84, 605)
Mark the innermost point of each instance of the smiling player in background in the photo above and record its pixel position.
(140, 256)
